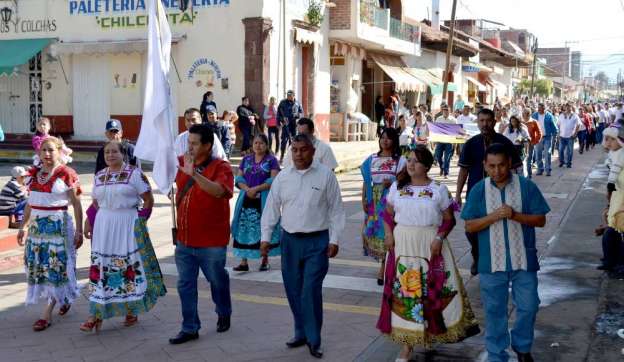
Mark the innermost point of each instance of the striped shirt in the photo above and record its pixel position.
(11, 194)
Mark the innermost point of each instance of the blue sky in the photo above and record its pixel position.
(597, 25)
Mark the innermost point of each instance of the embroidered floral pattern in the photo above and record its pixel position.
(126, 276)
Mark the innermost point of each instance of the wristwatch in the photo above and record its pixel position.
(438, 237)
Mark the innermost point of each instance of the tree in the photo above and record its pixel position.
(543, 87)
(602, 80)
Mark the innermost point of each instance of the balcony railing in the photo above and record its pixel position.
(404, 31)
(373, 15)
(377, 17)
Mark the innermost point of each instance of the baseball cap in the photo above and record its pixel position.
(290, 93)
(18, 171)
(211, 109)
(113, 124)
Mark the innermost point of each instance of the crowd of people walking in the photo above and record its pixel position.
(290, 206)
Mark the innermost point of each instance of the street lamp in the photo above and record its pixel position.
(5, 14)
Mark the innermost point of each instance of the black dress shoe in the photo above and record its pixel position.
(474, 270)
(223, 324)
(316, 352)
(183, 337)
(523, 357)
(241, 268)
(294, 343)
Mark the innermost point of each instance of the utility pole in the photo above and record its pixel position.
(449, 51)
(567, 64)
(534, 63)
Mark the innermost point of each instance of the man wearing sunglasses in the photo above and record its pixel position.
(114, 132)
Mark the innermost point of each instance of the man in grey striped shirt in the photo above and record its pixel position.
(14, 194)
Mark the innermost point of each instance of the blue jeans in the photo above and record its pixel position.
(246, 131)
(289, 131)
(599, 131)
(529, 160)
(583, 140)
(304, 266)
(543, 154)
(212, 263)
(566, 150)
(494, 295)
(443, 154)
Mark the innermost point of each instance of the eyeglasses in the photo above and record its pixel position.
(113, 131)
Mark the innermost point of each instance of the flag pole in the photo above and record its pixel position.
(174, 218)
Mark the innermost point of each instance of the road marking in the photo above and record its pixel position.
(338, 261)
(555, 196)
(331, 281)
(257, 299)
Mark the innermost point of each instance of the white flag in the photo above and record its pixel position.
(155, 141)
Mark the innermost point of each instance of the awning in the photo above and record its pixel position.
(439, 74)
(472, 67)
(306, 36)
(480, 86)
(394, 67)
(497, 84)
(103, 47)
(14, 53)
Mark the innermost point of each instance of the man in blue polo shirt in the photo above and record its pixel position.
(471, 166)
(543, 149)
(504, 209)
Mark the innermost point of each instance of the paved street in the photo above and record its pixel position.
(261, 321)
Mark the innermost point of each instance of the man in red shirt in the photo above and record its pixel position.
(204, 188)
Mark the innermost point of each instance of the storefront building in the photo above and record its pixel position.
(82, 62)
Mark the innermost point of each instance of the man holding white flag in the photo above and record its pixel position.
(155, 141)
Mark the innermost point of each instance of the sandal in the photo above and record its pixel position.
(131, 320)
(90, 324)
(41, 325)
(64, 309)
(264, 267)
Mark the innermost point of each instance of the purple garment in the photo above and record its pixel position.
(257, 173)
(37, 140)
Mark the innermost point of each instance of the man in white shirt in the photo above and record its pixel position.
(323, 152)
(617, 112)
(444, 151)
(305, 199)
(193, 116)
(411, 121)
(568, 125)
(466, 117)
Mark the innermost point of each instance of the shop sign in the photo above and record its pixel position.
(98, 7)
(206, 72)
(124, 14)
(12, 22)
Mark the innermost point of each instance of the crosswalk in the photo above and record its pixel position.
(332, 281)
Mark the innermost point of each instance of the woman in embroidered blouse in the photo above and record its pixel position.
(518, 134)
(50, 253)
(421, 131)
(254, 177)
(124, 278)
(428, 302)
(379, 170)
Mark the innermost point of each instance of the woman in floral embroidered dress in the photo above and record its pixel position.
(124, 278)
(50, 253)
(428, 302)
(254, 177)
(379, 170)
